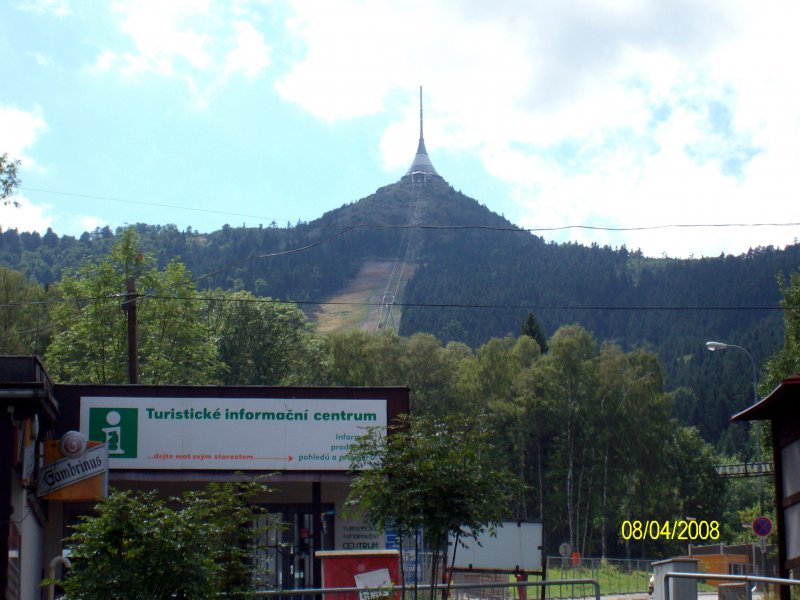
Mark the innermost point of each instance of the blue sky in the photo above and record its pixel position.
(623, 114)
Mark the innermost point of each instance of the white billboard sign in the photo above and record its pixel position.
(513, 547)
(229, 433)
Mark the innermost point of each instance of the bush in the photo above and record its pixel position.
(139, 546)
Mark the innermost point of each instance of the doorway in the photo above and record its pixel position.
(286, 545)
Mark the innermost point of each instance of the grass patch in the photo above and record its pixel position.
(357, 305)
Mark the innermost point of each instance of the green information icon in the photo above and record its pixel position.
(117, 427)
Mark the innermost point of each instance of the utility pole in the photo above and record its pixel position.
(129, 306)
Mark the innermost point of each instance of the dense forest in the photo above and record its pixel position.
(556, 405)
(477, 276)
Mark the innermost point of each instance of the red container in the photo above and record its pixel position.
(360, 568)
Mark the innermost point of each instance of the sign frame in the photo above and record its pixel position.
(236, 433)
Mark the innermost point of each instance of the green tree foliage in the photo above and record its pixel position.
(263, 342)
(567, 380)
(174, 343)
(139, 546)
(533, 329)
(433, 474)
(589, 430)
(361, 358)
(786, 361)
(431, 371)
(9, 178)
(23, 314)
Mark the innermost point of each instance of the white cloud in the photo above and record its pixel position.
(20, 129)
(43, 60)
(30, 216)
(27, 216)
(357, 55)
(164, 35)
(55, 8)
(199, 42)
(104, 62)
(250, 56)
(79, 224)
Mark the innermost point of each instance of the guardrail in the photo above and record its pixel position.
(454, 591)
(725, 577)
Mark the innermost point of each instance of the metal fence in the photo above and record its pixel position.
(615, 575)
(494, 586)
(530, 590)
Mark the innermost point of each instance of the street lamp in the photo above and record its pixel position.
(723, 346)
(712, 346)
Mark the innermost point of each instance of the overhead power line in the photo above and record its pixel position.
(267, 300)
(143, 203)
(421, 226)
(440, 305)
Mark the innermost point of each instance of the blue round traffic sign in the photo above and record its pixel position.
(762, 526)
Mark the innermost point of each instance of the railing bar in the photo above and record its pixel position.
(753, 578)
(725, 577)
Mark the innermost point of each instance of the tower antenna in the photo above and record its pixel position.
(420, 112)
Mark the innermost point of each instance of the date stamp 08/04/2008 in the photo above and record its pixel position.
(670, 530)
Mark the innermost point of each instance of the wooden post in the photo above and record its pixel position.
(130, 309)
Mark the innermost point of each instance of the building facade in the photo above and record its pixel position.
(178, 438)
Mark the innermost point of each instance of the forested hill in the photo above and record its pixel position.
(477, 276)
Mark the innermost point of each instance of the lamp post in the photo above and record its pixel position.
(712, 346)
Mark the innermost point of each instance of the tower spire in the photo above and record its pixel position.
(422, 165)
(420, 113)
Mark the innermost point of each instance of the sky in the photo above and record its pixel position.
(671, 127)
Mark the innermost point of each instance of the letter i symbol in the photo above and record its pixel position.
(114, 433)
